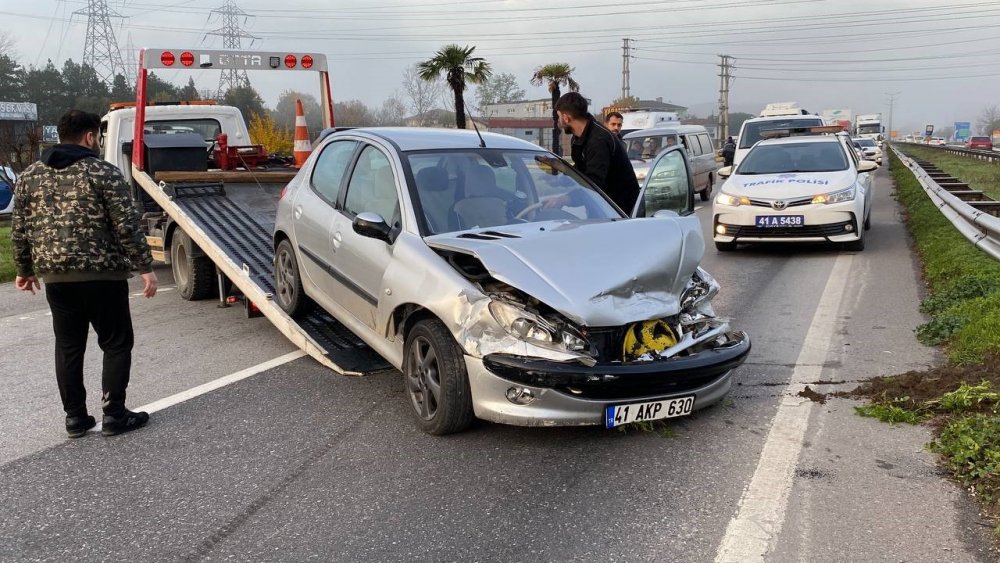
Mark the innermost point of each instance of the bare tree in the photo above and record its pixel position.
(421, 95)
(392, 112)
(498, 89)
(988, 120)
(7, 44)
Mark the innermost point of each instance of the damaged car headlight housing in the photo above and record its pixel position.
(534, 329)
(701, 288)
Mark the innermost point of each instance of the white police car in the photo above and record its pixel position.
(796, 189)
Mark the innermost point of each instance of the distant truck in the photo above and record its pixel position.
(869, 125)
(841, 117)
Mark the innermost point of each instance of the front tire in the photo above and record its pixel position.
(194, 276)
(856, 245)
(436, 381)
(288, 290)
(706, 194)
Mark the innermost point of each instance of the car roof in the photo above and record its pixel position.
(427, 138)
(799, 139)
(680, 129)
(783, 117)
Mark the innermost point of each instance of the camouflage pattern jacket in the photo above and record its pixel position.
(74, 220)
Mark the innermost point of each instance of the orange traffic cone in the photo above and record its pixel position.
(302, 147)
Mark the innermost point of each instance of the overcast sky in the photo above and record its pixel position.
(938, 55)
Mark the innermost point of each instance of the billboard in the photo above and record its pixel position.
(18, 111)
(963, 130)
(929, 130)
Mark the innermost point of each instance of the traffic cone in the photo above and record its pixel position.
(302, 147)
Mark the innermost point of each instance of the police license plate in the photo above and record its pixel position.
(617, 415)
(771, 221)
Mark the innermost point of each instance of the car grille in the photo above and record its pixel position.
(791, 203)
(829, 230)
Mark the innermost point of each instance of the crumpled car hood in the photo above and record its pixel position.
(788, 185)
(596, 273)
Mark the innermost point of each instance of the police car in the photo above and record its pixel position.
(796, 186)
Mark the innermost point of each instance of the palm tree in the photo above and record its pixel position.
(556, 75)
(460, 67)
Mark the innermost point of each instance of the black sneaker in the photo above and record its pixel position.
(127, 421)
(77, 426)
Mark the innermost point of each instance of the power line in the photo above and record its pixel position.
(100, 48)
(232, 34)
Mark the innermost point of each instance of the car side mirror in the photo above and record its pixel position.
(372, 225)
(867, 166)
(725, 172)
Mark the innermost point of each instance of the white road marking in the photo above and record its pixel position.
(204, 388)
(752, 532)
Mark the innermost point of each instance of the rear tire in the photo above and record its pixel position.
(725, 246)
(706, 194)
(288, 292)
(435, 379)
(194, 276)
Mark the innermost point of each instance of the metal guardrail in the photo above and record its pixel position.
(979, 154)
(974, 214)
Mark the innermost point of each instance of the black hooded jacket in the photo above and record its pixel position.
(601, 156)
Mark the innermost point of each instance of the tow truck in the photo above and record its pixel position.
(213, 222)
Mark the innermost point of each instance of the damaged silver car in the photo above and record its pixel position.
(502, 283)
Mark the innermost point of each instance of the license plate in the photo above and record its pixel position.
(617, 415)
(770, 221)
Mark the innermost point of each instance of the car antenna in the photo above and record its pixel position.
(482, 142)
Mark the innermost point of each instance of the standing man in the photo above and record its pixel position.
(728, 151)
(613, 121)
(597, 152)
(75, 227)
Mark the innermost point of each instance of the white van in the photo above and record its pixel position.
(750, 131)
(643, 145)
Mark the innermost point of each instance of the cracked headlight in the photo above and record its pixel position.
(735, 201)
(835, 197)
(534, 329)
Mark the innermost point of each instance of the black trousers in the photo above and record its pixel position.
(76, 306)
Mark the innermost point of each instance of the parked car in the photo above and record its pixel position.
(870, 149)
(796, 189)
(6, 190)
(980, 143)
(645, 144)
(502, 283)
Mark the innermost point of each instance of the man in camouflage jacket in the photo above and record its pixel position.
(75, 227)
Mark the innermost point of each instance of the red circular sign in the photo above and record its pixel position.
(167, 58)
(307, 61)
(187, 59)
(290, 61)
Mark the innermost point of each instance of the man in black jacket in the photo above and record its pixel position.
(597, 152)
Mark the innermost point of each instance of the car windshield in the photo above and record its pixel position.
(980, 139)
(866, 142)
(794, 157)
(752, 129)
(646, 147)
(467, 189)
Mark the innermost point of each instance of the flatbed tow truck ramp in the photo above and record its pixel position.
(229, 214)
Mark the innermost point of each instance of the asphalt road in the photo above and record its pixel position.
(296, 463)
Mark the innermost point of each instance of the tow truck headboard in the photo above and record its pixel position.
(181, 59)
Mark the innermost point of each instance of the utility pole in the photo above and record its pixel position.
(100, 48)
(626, 72)
(232, 35)
(892, 101)
(725, 68)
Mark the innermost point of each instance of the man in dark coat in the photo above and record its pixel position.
(729, 151)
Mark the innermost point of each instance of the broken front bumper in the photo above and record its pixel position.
(532, 392)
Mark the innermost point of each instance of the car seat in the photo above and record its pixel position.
(481, 207)
(383, 198)
(436, 198)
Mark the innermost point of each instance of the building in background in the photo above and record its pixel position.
(530, 120)
(20, 135)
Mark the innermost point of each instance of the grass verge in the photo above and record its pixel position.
(6, 255)
(961, 400)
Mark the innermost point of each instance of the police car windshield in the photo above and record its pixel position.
(752, 129)
(794, 157)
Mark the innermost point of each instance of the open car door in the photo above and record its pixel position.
(669, 186)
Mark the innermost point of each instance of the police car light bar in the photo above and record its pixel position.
(800, 131)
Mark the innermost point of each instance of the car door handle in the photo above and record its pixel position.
(298, 212)
(337, 239)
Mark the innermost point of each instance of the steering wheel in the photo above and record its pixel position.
(533, 208)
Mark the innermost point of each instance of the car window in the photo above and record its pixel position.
(646, 147)
(752, 130)
(207, 128)
(498, 187)
(373, 187)
(693, 145)
(667, 185)
(794, 157)
(328, 172)
(706, 143)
